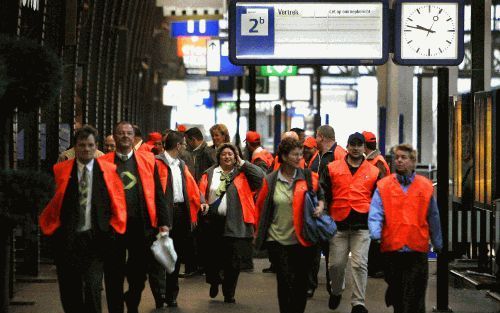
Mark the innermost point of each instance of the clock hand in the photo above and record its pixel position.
(422, 28)
(430, 29)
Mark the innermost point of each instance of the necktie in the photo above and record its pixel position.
(224, 181)
(83, 192)
(124, 157)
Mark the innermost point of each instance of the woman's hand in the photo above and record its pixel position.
(239, 161)
(319, 209)
(204, 208)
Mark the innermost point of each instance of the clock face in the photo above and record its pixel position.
(429, 30)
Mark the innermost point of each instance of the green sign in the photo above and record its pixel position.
(278, 70)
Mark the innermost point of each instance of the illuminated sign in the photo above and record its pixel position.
(194, 28)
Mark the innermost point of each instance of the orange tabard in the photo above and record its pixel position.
(265, 156)
(381, 159)
(351, 191)
(405, 221)
(50, 218)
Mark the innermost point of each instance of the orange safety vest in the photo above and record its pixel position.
(244, 194)
(339, 153)
(405, 214)
(299, 192)
(193, 192)
(381, 159)
(311, 161)
(50, 218)
(277, 164)
(146, 168)
(263, 155)
(351, 192)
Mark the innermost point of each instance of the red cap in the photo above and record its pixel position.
(152, 137)
(310, 143)
(369, 137)
(252, 137)
(181, 128)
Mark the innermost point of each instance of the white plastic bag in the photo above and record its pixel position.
(164, 252)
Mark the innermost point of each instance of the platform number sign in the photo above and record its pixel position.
(255, 23)
(254, 30)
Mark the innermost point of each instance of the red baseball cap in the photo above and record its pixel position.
(369, 136)
(252, 136)
(155, 136)
(181, 128)
(310, 143)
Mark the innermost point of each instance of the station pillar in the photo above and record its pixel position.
(395, 95)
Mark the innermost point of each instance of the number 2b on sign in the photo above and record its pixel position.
(254, 23)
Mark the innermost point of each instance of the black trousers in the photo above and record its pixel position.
(292, 264)
(375, 259)
(312, 277)
(225, 257)
(406, 274)
(139, 264)
(184, 247)
(79, 263)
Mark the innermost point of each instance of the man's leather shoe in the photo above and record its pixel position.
(359, 309)
(229, 300)
(214, 290)
(172, 303)
(334, 301)
(310, 293)
(270, 269)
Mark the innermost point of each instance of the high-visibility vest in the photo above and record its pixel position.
(311, 161)
(405, 214)
(351, 192)
(265, 156)
(245, 195)
(146, 168)
(381, 159)
(193, 193)
(50, 218)
(299, 192)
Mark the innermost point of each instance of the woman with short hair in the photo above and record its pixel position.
(280, 208)
(227, 187)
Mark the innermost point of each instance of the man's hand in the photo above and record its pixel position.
(204, 208)
(319, 209)
(164, 229)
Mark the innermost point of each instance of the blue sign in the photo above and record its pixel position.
(288, 32)
(218, 63)
(194, 28)
(225, 88)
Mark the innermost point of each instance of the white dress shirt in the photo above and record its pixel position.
(174, 165)
(88, 210)
(129, 155)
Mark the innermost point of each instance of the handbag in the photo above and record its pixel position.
(315, 229)
(164, 252)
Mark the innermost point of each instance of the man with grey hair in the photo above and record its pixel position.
(328, 148)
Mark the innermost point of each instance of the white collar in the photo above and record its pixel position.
(89, 165)
(170, 160)
(129, 155)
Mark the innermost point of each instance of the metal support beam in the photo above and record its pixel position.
(252, 122)
(443, 141)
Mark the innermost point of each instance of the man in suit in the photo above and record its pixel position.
(147, 214)
(87, 208)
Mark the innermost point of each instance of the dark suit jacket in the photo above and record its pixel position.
(100, 202)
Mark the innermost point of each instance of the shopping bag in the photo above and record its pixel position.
(164, 252)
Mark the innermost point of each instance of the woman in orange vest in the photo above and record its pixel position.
(280, 206)
(403, 217)
(227, 188)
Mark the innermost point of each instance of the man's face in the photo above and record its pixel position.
(404, 164)
(109, 144)
(85, 149)
(355, 149)
(308, 153)
(124, 137)
(319, 139)
(181, 146)
(158, 147)
(191, 142)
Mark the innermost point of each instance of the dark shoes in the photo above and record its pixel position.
(334, 301)
(270, 269)
(310, 293)
(229, 300)
(214, 290)
(187, 274)
(172, 303)
(359, 309)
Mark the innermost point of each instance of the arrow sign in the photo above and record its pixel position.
(213, 55)
(278, 70)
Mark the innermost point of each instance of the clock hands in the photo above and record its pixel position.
(428, 30)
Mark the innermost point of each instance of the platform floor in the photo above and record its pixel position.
(256, 293)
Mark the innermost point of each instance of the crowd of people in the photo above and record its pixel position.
(220, 203)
